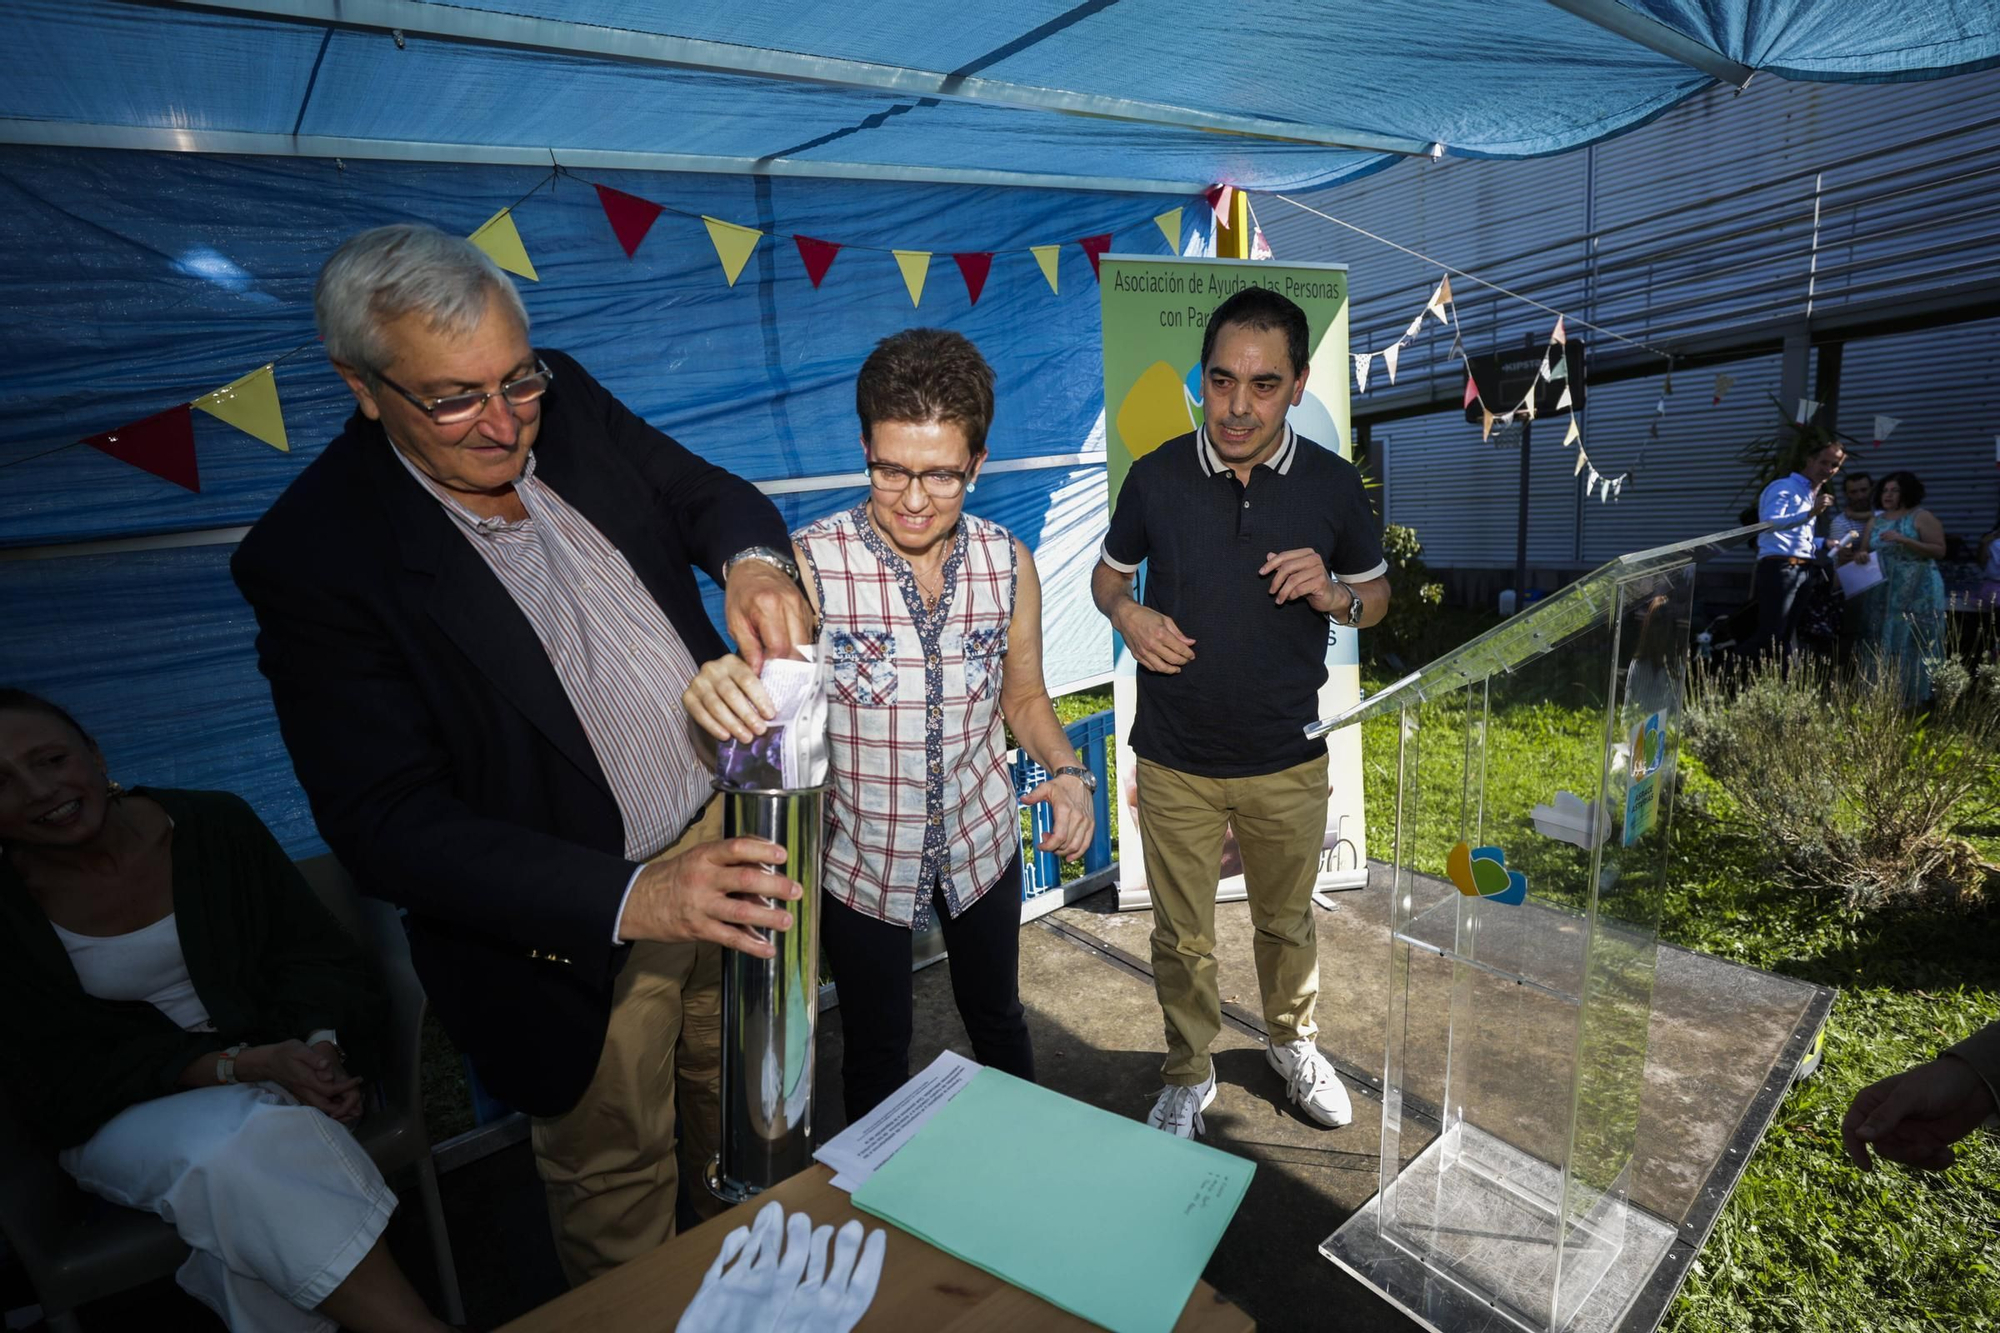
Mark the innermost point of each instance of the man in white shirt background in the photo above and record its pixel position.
(1844, 531)
(1785, 564)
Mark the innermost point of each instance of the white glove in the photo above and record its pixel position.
(763, 1292)
(832, 1298)
(748, 1296)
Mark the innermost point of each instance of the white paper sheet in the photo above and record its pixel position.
(859, 1150)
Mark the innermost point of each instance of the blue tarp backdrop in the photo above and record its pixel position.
(172, 176)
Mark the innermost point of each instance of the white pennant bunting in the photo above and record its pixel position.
(1507, 418)
(1884, 426)
(1416, 327)
(1361, 363)
(1573, 434)
(1562, 403)
(1389, 355)
(1660, 409)
(1544, 374)
(1559, 336)
(1581, 459)
(1438, 299)
(1807, 407)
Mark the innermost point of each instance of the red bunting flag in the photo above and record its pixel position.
(1218, 197)
(630, 216)
(1094, 247)
(162, 444)
(973, 266)
(1471, 392)
(818, 257)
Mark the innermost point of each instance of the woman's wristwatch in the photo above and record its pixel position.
(1080, 773)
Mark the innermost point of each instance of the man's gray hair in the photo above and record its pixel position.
(386, 273)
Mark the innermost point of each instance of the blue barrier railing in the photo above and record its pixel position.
(1040, 871)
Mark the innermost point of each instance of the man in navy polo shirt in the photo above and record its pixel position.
(1257, 542)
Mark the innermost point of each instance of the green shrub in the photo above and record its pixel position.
(1843, 786)
(1408, 635)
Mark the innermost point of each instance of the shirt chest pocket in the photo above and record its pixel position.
(864, 666)
(985, 651)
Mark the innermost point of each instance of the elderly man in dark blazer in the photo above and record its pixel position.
(477, 611)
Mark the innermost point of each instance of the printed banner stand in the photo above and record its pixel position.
(1155, 310)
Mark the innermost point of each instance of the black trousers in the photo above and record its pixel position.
(870, 960)
(1781, 590)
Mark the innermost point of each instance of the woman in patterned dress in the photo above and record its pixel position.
(932, 617)
(1906, 615)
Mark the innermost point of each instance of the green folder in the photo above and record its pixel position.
(1103, 1216)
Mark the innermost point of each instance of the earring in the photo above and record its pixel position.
(113, 788)
(971, 486)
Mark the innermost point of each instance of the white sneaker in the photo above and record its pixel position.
(1310, 1081)
(1178, 1108)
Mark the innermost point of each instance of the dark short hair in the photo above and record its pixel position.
(924, 375)
(1262, 309)
(1849, 478)
(21, 701)
(1908, 482)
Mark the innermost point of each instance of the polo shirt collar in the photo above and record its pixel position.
(1280, 462)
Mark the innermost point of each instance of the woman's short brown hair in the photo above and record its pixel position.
(924, 375)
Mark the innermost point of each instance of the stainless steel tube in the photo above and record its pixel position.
(770, 1008)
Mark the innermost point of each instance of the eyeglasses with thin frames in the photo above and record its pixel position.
(456, 407)
(939, 483)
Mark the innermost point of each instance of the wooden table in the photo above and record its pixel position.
(923, 1288)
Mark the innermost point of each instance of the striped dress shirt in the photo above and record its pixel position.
(617, 655)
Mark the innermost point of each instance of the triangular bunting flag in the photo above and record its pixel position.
(1591, 485)
(1169, 224)
(1544, 372)
(1562, 403)
(1667, 388)
(1660, 408)
(1486, 430)
(1438, 300)
(501, 240)
(162, 444)
(1389, 356)
(1047, 256)
(915, 264)
(733, 245)
(1807, 407)
(1722, 383)
(1572, 435)
(251, 405)
(1361, 363)
(1457, 344)
(630, 217)
(1653, 431)
(1884, 426)
(1259, 247)
(1507, 417)
(1094, 246)
(1218, 197)
(1559, 367)
(817, 256)
(1471, 392)
(1416, 327)
(1581, 459)
(1618, 488)
(1527, 408)
(1559, 336)
(973, 266)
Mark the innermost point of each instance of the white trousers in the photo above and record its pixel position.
(276, 1200)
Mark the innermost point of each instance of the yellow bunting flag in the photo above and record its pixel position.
(1046, 256)
(1572, 435)
(915, 264)
(1169, 224)
(1581, 459)
(733, 245)
(501, 240)
(251, 405)
(1439, 299)
(1487, 433)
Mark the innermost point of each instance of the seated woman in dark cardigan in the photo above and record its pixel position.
(176, 1011)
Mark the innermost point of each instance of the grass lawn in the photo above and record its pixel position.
(1807, 1242)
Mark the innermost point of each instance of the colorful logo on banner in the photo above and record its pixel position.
(1481, 872)
(1642, 796)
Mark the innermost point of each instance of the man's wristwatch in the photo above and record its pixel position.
(763, 555)
(1080, 773)
(1353, 617)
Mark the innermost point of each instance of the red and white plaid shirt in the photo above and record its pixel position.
(921, 796)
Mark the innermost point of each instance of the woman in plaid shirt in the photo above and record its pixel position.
(933, 620)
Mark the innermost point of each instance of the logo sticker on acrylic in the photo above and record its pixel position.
(1481, 872)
